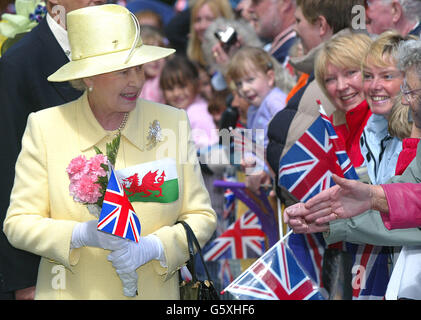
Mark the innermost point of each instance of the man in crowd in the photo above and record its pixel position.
(274, 21)
(400, 15)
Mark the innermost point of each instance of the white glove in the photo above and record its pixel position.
(129, 281)
(85, 234)
(134, 255)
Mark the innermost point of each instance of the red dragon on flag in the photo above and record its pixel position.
(147, 185)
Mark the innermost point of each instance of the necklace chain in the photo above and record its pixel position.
(123, 123)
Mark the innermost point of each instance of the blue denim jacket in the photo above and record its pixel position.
(379, 149)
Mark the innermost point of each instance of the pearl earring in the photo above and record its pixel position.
(90, 89)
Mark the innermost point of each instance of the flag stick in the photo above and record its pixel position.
(280, 223)
(321, 109)
(257, 261)
(286, 236)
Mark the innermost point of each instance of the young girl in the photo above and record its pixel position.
(258, 78)
(151, 90)
(180, 85)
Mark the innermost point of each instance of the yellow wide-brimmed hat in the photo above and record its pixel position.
(103, 39)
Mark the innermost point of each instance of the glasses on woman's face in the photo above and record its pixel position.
(409, 95)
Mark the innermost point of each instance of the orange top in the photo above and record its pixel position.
(300, 83)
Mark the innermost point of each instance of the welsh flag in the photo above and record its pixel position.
(155, 181)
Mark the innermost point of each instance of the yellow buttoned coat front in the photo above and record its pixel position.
(42, 214)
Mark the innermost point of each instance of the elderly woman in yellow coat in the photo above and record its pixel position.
(79, 262)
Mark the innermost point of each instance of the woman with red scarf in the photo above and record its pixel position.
(338, 72)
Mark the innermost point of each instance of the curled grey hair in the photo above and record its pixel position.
(409, 55)
(78, 84)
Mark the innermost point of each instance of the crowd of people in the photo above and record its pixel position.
(68, 87)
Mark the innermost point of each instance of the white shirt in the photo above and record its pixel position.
(406, 276)
(60, 34)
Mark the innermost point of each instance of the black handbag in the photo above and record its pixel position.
(196, 289)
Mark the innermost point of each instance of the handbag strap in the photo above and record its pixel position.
(192, 240)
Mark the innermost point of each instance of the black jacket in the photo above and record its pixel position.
(24, 88)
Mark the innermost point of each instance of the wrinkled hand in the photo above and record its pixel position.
(293, 216)
(345, 200)
(129, 258)
(85, 234)
(219, 54)
(256, 180)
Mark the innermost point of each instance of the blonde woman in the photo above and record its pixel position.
(381, 84)
(338, 72)
(203, 13)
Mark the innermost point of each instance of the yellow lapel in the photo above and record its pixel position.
(91, 133)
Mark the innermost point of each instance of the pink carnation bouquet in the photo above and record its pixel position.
(89, 177)
(86, 179)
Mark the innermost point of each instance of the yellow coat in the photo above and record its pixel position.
(42, 214)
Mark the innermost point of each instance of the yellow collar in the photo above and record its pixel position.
(90, 132)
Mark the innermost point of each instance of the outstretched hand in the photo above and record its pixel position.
(293, 216)
(346, 199)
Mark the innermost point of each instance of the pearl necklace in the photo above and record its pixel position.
(123, 123)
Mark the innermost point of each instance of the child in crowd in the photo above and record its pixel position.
(151, 90)
(206, 90)
(258, 78)
(150, 18)
(217, 105)
(253, 72)
(180, 85)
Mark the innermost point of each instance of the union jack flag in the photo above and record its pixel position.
(275, 276)
(225, 274)
(370, 274)
(243, 239)
(229, 203)
(258, 203)
(306, 169)
(309, 250)
(117, 215)
(319, 153)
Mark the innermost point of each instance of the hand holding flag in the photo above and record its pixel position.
(118, 218)
(117, 215)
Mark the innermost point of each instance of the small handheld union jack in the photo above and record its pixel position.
(344, 162)
(306, 169)
(117, 215)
